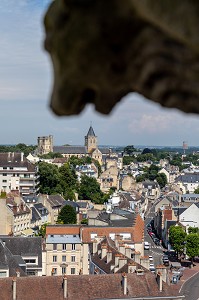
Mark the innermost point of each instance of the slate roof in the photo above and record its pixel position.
(104, 150)
(13, 159)
(148, 184)
(91, 132)
(70, 149)
(128, 218)
(25, 246)
(30, 198)
(41, 209)
(84, 287)
(10, 261)
(56, 200)
(82, 204)
(35, 215)
(188, 178)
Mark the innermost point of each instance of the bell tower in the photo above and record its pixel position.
(90, 140)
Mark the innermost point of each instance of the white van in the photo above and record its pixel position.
(146, 245)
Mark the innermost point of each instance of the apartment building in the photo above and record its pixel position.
(17, 174)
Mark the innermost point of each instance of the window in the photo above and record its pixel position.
(4, 168)
(30, 261)
(54, 271)
(63, 258)
(72, 271)
(63, 246)
(54, 246)
(63, 270)
(54, 258)
(73, 247)
(4, 180)
(73, 258)
(4, 174)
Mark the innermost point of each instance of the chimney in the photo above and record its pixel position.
(132, 267)
(14, 289)
(128, 252)
(137, 256)
(122, 248)
(65, 286)
(124, 283)
(117, 256)
(109, 256)
(122, 262)
(163, 270)
(104, 248)
(94, 246)
(22, 155)
(159, 281)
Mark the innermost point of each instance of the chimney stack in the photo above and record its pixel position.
(109, 256)
(65, 286)
(18, 273)
(14, 288)
(22, 154)
(124, 283)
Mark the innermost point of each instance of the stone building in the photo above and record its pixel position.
(45, 144)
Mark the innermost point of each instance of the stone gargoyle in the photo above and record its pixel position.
(103, 49)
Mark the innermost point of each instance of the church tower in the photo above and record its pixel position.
(90, 140)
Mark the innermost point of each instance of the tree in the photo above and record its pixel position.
(84, 221)
(42, 230)
(90, 190)
(129, 149)
(193, 230)
(196, 191)
(67, 215)
(192, 245)
(49, 179)
(177, 238)
(146, 150)
(161, 179)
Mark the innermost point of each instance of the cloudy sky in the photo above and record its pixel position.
(25, 86)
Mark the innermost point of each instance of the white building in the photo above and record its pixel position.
(17, 174)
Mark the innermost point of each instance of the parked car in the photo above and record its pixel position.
(150, 258)
(152, 268)
(146, 245)
(156, 241)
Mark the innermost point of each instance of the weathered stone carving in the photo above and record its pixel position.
(103, 49)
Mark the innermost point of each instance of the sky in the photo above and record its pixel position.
(25, 87)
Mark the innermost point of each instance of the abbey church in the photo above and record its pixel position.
(90, 148)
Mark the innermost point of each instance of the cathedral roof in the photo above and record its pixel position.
(91, 132)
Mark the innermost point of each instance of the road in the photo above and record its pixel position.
(191, 288)
(155, 251)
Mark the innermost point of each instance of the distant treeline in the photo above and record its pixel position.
(18, 148)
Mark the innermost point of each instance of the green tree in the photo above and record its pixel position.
(68, 178)
(192, 245)
(84, 221)
(51, 155)
(193, 230)
(177, 238)
(161, 179)
(90, 190)
(146, 150)
(129, 149)
(49, 179)
(128, 159)
(196, 191)
(67, 215)
(42, 230)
